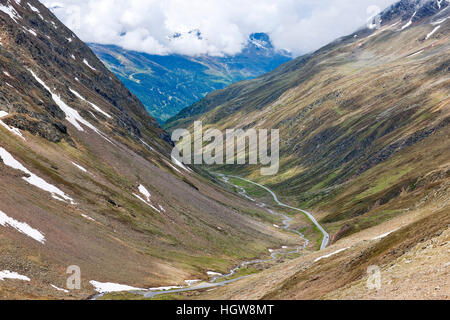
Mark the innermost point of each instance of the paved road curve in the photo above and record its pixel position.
(326, 236)
(211, 284)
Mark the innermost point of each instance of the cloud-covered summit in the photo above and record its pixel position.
(214, 27)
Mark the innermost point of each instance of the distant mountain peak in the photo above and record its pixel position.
(260, 41)
(414, 10)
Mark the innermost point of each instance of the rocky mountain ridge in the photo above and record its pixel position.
(86, 177)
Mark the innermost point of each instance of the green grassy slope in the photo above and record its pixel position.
(188, 226)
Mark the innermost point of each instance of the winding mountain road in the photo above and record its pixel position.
(151, 293)
(326, 236)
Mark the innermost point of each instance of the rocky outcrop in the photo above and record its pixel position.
(51, 130)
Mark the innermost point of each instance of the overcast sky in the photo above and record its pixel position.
(299, 26)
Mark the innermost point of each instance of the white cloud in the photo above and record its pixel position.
(149, 25)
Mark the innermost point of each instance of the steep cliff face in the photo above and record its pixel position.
(86, 176)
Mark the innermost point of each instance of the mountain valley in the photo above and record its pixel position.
(88, 181)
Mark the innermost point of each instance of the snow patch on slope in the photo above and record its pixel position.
(87, 63)
(80, 167)
(146, 202)
(72, 115)
(145, 192)
(11, 129)
(87, 217)
(432, 32)
(10, 11)
(191, 282)
(22, 227)
(384, 235)
(180, 164)
(93, 105)
(31, 31)
(434, 23)
(59, 289)
(33, 179)
(331, 254)
(416, 53)
(105, 287)
(147, 145)
(5, 274)
(33, 8)
(409, 22)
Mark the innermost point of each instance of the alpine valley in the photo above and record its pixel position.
(87, 180)
(365, 146)
(168, 84)
(360, 208)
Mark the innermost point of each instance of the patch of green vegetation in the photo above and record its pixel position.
(251, 189)
(424, 116)
(324, 183)
(338, 110)
(384, 182)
